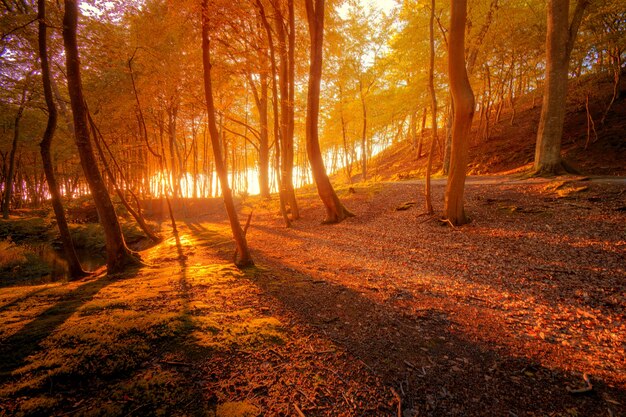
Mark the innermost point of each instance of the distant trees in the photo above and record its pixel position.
(382, 80)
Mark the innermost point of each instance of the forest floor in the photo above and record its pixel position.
(389, 313)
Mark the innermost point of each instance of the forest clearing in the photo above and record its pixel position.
(312, 208)
(381, 311)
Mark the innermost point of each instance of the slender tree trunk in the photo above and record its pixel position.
(463, 99)
(363, 133)
(291, 77)
(277, 139)
(141, 222)
(447, 145)
(264, 149)
(119, 257)
(286, 111)
(238, 233)
(433, 107)
(8, 183)
(75, 268)
(420, 145)
(335, 211)
(559, 43)
(347, 157)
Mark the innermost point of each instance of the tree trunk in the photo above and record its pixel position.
(277, 139)
(119, 257)
(285, 81)
(422, 131)
(447, 144)
(559, 43)
(347, 157)
(8, 183)
(238, 234)
(363, 133)
(264, 150)
(463, 99)
(433, 107)
(75, 268)
(335, 211)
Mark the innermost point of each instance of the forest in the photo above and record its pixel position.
(313, 208)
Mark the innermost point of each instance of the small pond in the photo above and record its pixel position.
(56, 263)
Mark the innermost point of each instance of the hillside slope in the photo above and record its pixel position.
(511, 143)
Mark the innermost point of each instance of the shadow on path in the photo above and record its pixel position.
(423, 355)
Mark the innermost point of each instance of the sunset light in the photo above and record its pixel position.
(313, 208)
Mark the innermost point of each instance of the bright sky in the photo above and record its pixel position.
(385, 5)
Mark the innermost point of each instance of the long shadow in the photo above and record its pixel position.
(422, 354)
(16, 348)
(22, 298)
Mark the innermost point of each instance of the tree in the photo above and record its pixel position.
(238, 233)
(286, 81)
(463, 101)
(119, 257)
(559, 44)
(335, 211)
(8, 183)
(75, 268)
(433, 107)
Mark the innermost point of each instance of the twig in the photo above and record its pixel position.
(5, 35)
(449, 222)
(563, 271)
(300, 413)
(432, 216)
(176, 363)
(397, 396)
(276, 353)
(584, 390)
(135, 409)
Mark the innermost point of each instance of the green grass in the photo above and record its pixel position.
(18, 263)
(105, 346)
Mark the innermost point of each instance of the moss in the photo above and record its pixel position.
(25, 229)
(240, 329)
(19, 264)
(37, 406)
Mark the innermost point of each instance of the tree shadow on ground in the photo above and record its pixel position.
(122, 354)
(423, 355)
(22, 298)
(16, 348)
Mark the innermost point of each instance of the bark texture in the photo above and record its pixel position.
(119, 257)
(75, 268)
(463, 99)
(335, 211)
(433, 109)
(245, 258)
(8, 184)
(559, 43)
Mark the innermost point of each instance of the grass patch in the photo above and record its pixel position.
(19, 264)
(104, 346)
(25, 229)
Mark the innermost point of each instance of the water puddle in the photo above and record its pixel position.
(57, 264)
